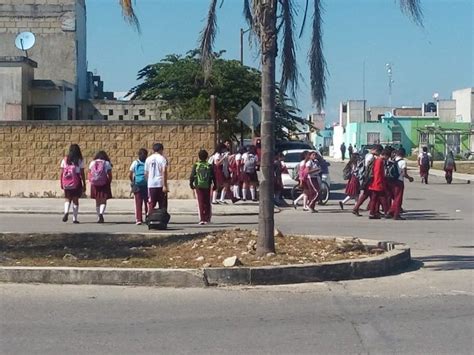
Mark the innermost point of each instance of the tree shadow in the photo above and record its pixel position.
(428, 215)
(448, 262)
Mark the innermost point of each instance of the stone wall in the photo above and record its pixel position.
(30, 152)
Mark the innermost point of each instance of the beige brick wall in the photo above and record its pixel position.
(33, 150)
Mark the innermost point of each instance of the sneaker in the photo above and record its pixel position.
(254, 200)
(65, 217)
(374, 217)
(75, 222)
(341, 205)
(356, 213)
(222, 202)
(138, 223)
(201, 223)
(235, 199)
(305, 209)
(214, 202)
(101, 219)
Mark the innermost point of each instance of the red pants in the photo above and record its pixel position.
(389, 192)
(377, 198)
(156, 195)
(140, 200)
(363, 196)
(203, 197)
(398, 188)
(313, 192)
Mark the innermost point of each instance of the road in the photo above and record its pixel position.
(425, 310)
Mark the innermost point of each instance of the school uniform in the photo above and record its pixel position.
(222, 176)
(155, 166)
(377, 188)
(312, 183)
(424, 170)
(77, 192)
(249, 177)
(365, 190)
(101, 192)
(140, 194)
(398, 189)
(353, 185)
(203, 195)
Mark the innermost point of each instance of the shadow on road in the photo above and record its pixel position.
(448, 262)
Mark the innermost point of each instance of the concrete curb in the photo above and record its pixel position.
(130, 213)
(396, 258)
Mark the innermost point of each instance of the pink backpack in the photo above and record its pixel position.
(70, 178)
(98, 174)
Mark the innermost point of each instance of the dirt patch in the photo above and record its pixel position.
(205, 250)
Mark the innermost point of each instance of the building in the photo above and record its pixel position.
(119, 110)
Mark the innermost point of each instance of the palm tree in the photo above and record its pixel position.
(268, 19)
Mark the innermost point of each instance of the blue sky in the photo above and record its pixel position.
(436, 58)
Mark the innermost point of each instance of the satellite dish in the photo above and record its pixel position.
(25, 41)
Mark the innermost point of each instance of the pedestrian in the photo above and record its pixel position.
(312, 186)
(353, 186)
(449, 166)
(235, 167)
(249, 173)
(364, 174)
(399, 186)
(320, 149)
(201, 180)
(156, 175)
(355, 150)
(302, 175)
(377, 185)
(350, 149)
(220, 164)
(424, 163)
(279, 168)
(100, 178)
(139, 185)
(343, 151)
(73, 181)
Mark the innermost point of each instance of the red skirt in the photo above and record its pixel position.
(101, 192)
(353, 186)
(221, 179)
(75, 193)
(249, 178)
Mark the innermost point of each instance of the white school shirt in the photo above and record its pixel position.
(245, 157)
(155, 166)
(402, 165)
(368, 158)
(311, 164)
(78, 167)
(107, 165)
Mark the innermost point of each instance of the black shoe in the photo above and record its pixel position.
(75, 222)
(341, 205)
(374, 217)
(254, 200)
(356, 213)
(399, 218)
(65, 217)
(101, 219)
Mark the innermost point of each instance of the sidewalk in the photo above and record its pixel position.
(119, 207)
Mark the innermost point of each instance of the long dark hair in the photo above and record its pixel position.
(102, 155)
(74, 156)
(352, 161)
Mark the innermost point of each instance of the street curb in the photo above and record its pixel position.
(397, 257)
(130, 213)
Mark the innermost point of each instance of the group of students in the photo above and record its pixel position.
(148, 176)
(380, 176)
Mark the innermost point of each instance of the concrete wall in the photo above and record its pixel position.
(464, 105)
(356, 111)
(447, 110)
(30, 152)
(134, 110)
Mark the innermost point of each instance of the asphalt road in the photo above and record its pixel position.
(425, 310)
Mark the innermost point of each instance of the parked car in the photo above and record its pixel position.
(281, 146)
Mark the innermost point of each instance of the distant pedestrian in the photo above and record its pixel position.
(220, 164)
(355, 150)
(449, 166)
(201, 180)
(424, 163)
(73, 181)
(353, 186)
(377, 185)
(100, 178)
(156, 174)
(249, 173)
(350, 149)
(343, 151)
(139, 185)
(320, 149)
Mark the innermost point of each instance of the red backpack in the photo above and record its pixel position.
(98, 174)
(70, 178)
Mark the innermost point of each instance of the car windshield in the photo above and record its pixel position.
(292, 157)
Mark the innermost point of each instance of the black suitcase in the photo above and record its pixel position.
(158, 219)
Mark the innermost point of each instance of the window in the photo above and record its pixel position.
(46, 113)
(70, 113)
(125, 112)
(106, 118)
(135, 117)
(111, 112)
(344, 108)
(373, 137)
(142, 112)
(120, 117)
(424, 138)
(396, 137)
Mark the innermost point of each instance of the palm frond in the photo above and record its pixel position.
(208, 35)
(413, 9)
(305, 15)
(129, 14)
(248, 13)
(289, 72)
(317, 63)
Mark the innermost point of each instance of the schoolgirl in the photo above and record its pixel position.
(312, 185)
(249, 173)
(73, 181)
(139, 185)
(100, 177)
(302, 174)
(219, 161)
(353, 186)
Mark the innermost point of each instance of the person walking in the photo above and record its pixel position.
(449, 166)
(249, 173)
(220, 164)
(302, 175)
(156, 175)
(353, 186)
(100, 178)
(365, 178)
(350, 149)
(201, 180)
(377, 186)
(343, 151)
(139, 185)
(279, 168)
(73, 181)
(312, 185)
(424, 163)
(399, 186)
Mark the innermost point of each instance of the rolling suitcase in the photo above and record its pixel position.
(158, 219)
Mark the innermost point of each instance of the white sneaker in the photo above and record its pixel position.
(138, 223)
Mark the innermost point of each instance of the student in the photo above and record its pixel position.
(156, 175)
(235, 167)
(279, 168)
(377, 185)
(73, 181)
(302, 175)
(312, 186)
(424, 163)
(139, 185)
(249, 173)
(365, 180)
(353, 186)
(399, 186)
(220, 164)
(100, 177)
(449, 166)
(201, 179)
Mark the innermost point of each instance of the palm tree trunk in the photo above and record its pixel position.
(265, 241)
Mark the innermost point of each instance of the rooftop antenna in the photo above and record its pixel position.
(25, 41)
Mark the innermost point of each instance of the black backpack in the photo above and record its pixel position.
(391, 170)
(158, 219)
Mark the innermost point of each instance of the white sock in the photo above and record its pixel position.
(305, 201)
(236, 191)
(298, 199)
(223, 194)
(75, 212)
(66, 207)
(244, 193)
(102, 208)
(214, 196)
(252, 192)
(346, 199)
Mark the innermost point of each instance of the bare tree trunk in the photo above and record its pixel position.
(266, 241)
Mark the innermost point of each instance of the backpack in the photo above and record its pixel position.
(360, 171)
(347, 172)
(139, 174)
(158, 219)
(250, 164)
(391, 170)
(202, 179)
(98, 174)
(70, 178)
(425, 161)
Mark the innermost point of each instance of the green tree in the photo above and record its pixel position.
(269, 19)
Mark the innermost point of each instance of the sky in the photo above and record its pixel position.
(358, 34)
